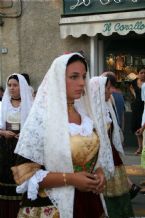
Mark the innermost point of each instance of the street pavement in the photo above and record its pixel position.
(139, 201)
(130, 146)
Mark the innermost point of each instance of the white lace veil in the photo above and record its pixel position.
(116, 130)
(26, 101)
(143, 92)
(45, 136)
(97, 95)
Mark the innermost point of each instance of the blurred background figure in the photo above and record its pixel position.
(143, 127)
(15, 106)
(117, 187)
(118, 104)
(116, 98)
(137, 106)
(142, 131)
(1, 92)
(1, 95)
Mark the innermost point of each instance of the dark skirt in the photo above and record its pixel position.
(87, 205)
(119, 206)
(9, 208)
(9, 199)
(136, 116)
(117, 195)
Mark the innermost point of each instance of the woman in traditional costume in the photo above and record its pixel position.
(116, 192)
(58, 168)
(137, 106)
(16, 103)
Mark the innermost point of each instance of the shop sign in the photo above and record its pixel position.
(137, 26)
(82, 7)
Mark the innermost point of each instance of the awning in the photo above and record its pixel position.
(106, 24)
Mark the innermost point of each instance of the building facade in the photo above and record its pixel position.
(30, 38)
(34, 32)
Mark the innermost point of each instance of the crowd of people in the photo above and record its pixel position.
(61, 154)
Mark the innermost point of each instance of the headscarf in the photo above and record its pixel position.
(45, 137)
(99, 108)
(26, 101)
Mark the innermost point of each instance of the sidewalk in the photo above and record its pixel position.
(130, 159)
(139, 201)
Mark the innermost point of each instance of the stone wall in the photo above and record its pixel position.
(33, 40)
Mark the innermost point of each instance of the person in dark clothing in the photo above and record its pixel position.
(137, 106)
(116, 98)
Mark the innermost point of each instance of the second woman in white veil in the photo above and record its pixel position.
(116, 192)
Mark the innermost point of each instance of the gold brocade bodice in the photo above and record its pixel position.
(84, 148)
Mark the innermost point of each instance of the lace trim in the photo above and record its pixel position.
(31, 185)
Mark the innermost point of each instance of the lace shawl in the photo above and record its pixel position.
(143, 92)
(26, 101)
(116, 134)
(45, 136)
(97, 95)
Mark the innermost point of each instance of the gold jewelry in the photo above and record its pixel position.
(70, 106)
(64, 179)
(16, 99)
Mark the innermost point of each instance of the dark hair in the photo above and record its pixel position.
(112, 79)
(13, 77)
(107, 81)
(1, 89)
(140, 68)
(75, 58)
(26, 77)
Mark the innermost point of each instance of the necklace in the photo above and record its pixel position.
(70, 106)
(16, 99)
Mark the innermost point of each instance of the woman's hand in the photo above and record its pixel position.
(101, 181)
(8, 134)
(139, 131)
(17, 136)
(84, 181)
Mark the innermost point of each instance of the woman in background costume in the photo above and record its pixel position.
(116, 192)
(16, 103)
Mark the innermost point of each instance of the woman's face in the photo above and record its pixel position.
(14, 89)
(141, 75)
(75, 80)
(107, 91)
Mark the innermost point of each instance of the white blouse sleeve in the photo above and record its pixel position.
(32, 185)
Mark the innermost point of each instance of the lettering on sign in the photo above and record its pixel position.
(86, 3)
(119, 27)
